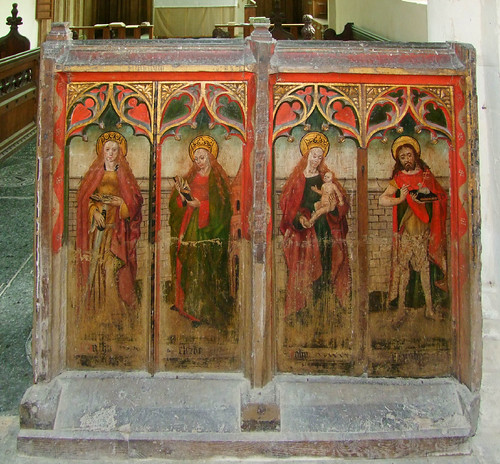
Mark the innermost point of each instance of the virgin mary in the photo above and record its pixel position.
(316, 255)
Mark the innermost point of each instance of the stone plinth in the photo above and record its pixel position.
(135, 415)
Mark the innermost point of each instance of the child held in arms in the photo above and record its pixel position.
(330, 198)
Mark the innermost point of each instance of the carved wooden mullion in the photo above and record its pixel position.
(79, 92)
(167, 92)
(144, 93)
(349, 94)
(234, 91)
(363, 112)
(238, 90)
(443, 97)
(377, 95)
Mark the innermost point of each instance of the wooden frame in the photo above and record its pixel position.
(275, 74)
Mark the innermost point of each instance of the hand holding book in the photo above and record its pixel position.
(183, 188)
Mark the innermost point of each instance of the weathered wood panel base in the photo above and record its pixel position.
(72, 445)
(134, 415)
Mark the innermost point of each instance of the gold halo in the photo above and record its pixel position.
(405, 140)
(206, 142)
(312, 140)
(111, 137)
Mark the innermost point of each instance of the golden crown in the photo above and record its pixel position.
(111, 137)
(206, 142)
(312, 140)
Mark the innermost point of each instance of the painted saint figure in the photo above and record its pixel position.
(200, 215)
(330, 197)
(109, 216)
(419, 230)
(315, 250)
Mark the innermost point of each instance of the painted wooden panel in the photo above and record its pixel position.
(108, 195)
(156, 223)
(315, 207)
(410, 319)
(204, 221)
(182, 244)
(370, 292)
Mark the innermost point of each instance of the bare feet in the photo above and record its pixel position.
(433, 314)
(430, 313)
(400, 318)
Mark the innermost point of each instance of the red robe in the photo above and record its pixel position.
(302, 252)
(437, 220)
(125, 233)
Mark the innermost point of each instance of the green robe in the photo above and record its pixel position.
(203, 253)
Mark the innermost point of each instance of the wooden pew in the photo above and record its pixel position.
(112, 31)
(352, 32)
(278, 30)
(231, 28)
(13, 42)
(18, 99)
(18, 87)
(294, 31)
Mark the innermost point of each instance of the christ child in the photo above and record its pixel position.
(330, 197)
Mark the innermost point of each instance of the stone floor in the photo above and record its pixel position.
(16, 290)
(17, 189)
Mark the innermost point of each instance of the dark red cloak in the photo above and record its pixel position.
(301, 249)
(437, 220)
(126, 232)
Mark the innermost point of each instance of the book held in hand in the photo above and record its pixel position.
(185, 190)
(424, 195)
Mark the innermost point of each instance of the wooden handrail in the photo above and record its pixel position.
(294, 28)
(20, 62)
(359, 33)
(112, 31)
(351, 32)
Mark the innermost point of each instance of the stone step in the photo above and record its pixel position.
(196, 416)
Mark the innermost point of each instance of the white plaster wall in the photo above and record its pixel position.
(478, 22)
(26, 9)
(480, 27)
(394, 19)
